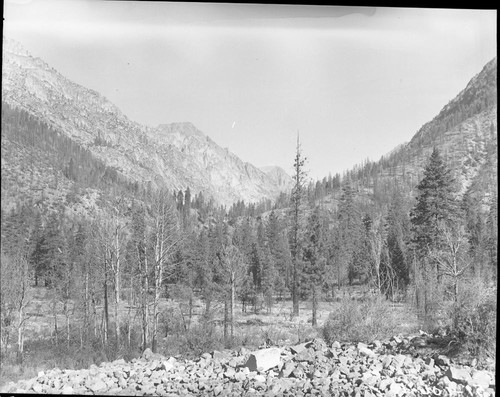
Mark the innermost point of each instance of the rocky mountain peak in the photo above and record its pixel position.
(185, 128)
(14, 47)
(177, 155)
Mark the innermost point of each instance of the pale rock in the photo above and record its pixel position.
(376, 344)
(229, 372)
(387, 361)
(396, 389)
(369, 379)
(119, 362)
(460, 375)
(169, 364)
(385, 383)
(300, 348)
(336, 345)
(398, 360)
(364, 351)
(442, 360)
(37, 388)
(147, 354)
(264, 359)
(97, 386)
(481, 378)
(260, 378)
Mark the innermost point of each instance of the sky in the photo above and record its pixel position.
(353, 82)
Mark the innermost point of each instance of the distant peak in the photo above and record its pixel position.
(14, 47)
(186, 128)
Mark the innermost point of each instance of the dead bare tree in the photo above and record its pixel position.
(165, 237)
(15, 296)
(376, 244)
(452, 258)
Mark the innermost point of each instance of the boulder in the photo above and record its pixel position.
(385, 383)
(364, 351)
(459, 375)
(97, 386)
(398, 360)
(169, 364)
(287, 369)
(260, 378)
(300, 348)
(147, 354)
(481, 378)
(37, 388)
(262, 360)
(442, 360)
(396, 389)
(336, 345)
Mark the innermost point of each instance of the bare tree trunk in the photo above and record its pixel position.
(295, 289)
(190, 308)
(54, 313)
(314, 306)
(94, 314)
(117, 288)
(106, 311)
(20, 339)
(226, 319)
(231, 313)
(144, 304)
(66, 314)
(86, 324)
(158, 279)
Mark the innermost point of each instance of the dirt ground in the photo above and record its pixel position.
(277, 323)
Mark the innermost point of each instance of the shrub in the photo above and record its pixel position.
(360, 321)
(474, 317)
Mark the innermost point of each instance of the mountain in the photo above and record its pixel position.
(278, 175)
(176, 155)
(465, 131)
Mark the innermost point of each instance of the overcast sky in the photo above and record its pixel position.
(355, 82)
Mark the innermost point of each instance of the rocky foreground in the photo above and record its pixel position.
(393, 368)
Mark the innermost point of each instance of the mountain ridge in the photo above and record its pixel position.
(98, 125)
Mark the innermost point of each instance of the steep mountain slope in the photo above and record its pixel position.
(278, 175)
(177, 155)
(465, 131)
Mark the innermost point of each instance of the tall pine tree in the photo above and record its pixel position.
(435, 203)
(298, 199)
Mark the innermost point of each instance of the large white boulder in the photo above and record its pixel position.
(262, 360)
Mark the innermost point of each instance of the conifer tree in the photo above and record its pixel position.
(434, 210)
(396, 270)
(279, 252)
(315, 254)
(349, 233)
(435, 203)
(298, 199)
(492, 239)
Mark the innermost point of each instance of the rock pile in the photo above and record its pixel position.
(313, 369)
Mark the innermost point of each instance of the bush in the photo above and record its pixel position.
(474, 317)
(356, 321)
